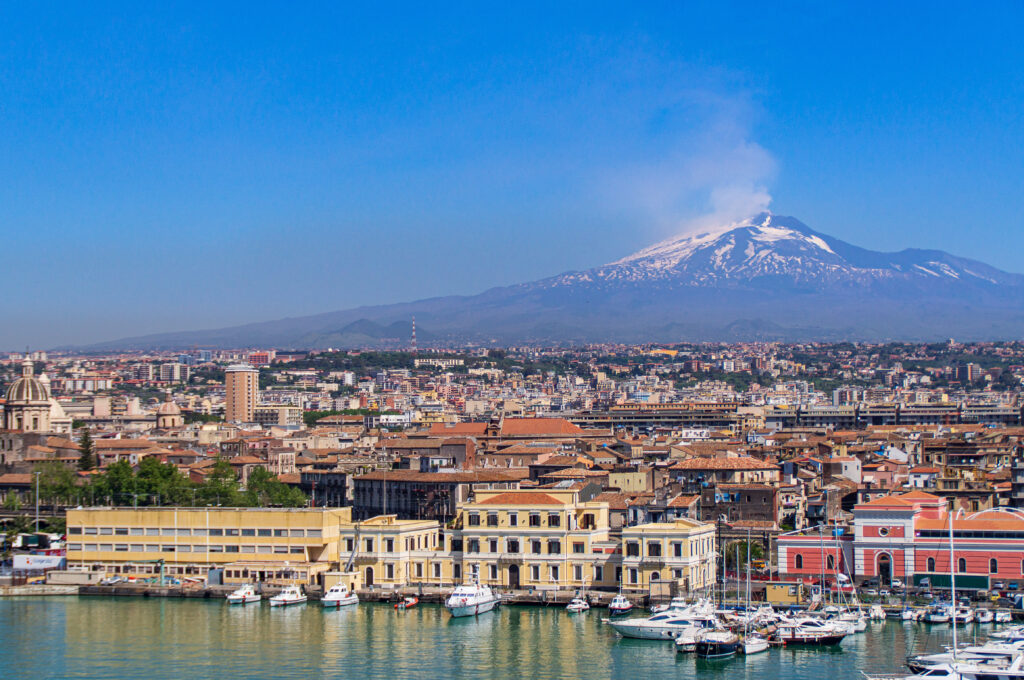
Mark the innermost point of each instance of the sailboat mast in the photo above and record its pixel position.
(952, 579)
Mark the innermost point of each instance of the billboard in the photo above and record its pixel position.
(38, 562)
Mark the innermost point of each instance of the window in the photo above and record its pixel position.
(456, 571)
(883, 531)
(248, 532)
(535, 572)
(419, 570)
(554, 546)
(264, 532)
(493, 571)
(280, 532)
(294, 550)
(534, 519)
(830, 562)
(280, 550)
(961, 565)
(389, 571)
(123, 547)
(993, 566)
(653, 549)
(677, 550)
(389, 545)
(553, 570)
(437, 570)
(185, 548)
(369, 545)
(633, 576)
(90, 531)
(598, 573)
(106, 531)
(513, 519)
(313, 533)
(492, 545)
(799, 562)
(535, 547)
(492, 519)
(931, 564)
(554, 519)
(473, 545)
(121, 531)
(512, 545)
(297, 533)
(474, 520)
(577, 572)
(577, 548)
(632, 549)
(149, 532)
(228, 532)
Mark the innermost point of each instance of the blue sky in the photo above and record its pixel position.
(213, 164)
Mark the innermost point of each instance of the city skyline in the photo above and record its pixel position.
(198, 169)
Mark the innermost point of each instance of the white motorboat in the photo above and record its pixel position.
(674, 603)
(339, 595)
(244, 595)
(963, 615)
(984, 615)
(620, 605)
(471, 600)
(939, 614)
(1003, 616)
(577, 605)
(666, 625)
(876, 613)
(289, 596)
(810, 631)
(998, 653)
(754, 644)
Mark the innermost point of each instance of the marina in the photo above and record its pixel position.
(189, 637)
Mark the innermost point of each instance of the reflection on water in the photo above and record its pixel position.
(159, 638)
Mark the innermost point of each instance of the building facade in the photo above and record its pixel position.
(241, 390)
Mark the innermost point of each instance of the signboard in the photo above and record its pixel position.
(38, 562)
(963, 581)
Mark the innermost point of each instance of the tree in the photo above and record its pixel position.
(221, 486)
(264, 488)
(86, 459)
(161, 483)
(117, 484)
(56, 481)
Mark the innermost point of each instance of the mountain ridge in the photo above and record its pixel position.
(769, 277)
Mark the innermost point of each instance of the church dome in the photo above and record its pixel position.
(168, 408)
(27, 389)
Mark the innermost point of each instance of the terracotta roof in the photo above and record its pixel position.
(480, 476)
(724, 463)
(683, 501)
(13, 478)
(522, 498)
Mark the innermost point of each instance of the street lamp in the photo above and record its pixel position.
(37, 501)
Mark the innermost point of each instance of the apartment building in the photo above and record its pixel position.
(682, 551)
(241, 389)
(390, 552)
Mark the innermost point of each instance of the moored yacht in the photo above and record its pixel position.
(717, 644)
(666, 625)
(471, 599)
(809, 631)
(244, 595)
(290, 595)
(619, 605)
(577, 606)
(339, 595)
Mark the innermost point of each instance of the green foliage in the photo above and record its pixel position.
(756, 553)
(56, 482)
(265, 489)
(194, 417)
(86, 459)
(12, 502)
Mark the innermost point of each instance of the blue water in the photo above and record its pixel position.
(98, 637)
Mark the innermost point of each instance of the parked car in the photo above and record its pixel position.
(870, 591)
(927, 595)
(884, 592)
(896, 583)
(1014, 586)
(998, 585)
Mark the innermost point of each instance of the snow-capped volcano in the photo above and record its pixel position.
(782, 250)
(766, 278)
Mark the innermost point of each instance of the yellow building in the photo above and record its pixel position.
(683, 551)
(543, 539)
(391, 552)
(272, 545)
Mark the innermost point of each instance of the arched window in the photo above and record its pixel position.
(993, 566)
(799, 562)
(961, 565)
(931, 564)
(830, 562)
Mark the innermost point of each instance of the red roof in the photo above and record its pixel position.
(522, 498)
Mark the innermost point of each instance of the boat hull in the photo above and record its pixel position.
(342, 602)
(715, 650)
(286, 603)
(642, 632)
(812, 640)
(475, 609)
(245, 599)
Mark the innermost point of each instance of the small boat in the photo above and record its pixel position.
(244, 595)
(674, 603)
(1003, 616)
(290, 595)
(407, 603)
(984, 616)
(963, 615)
(754, 644)
(577, 606)
(876, 613)
(939, 614)
(813, 632)
(619, 605)
(471, 600)
(339, 595)
(717, 644)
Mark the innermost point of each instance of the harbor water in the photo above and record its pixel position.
(101, 637)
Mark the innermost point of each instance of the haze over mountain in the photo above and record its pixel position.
(765, 278)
